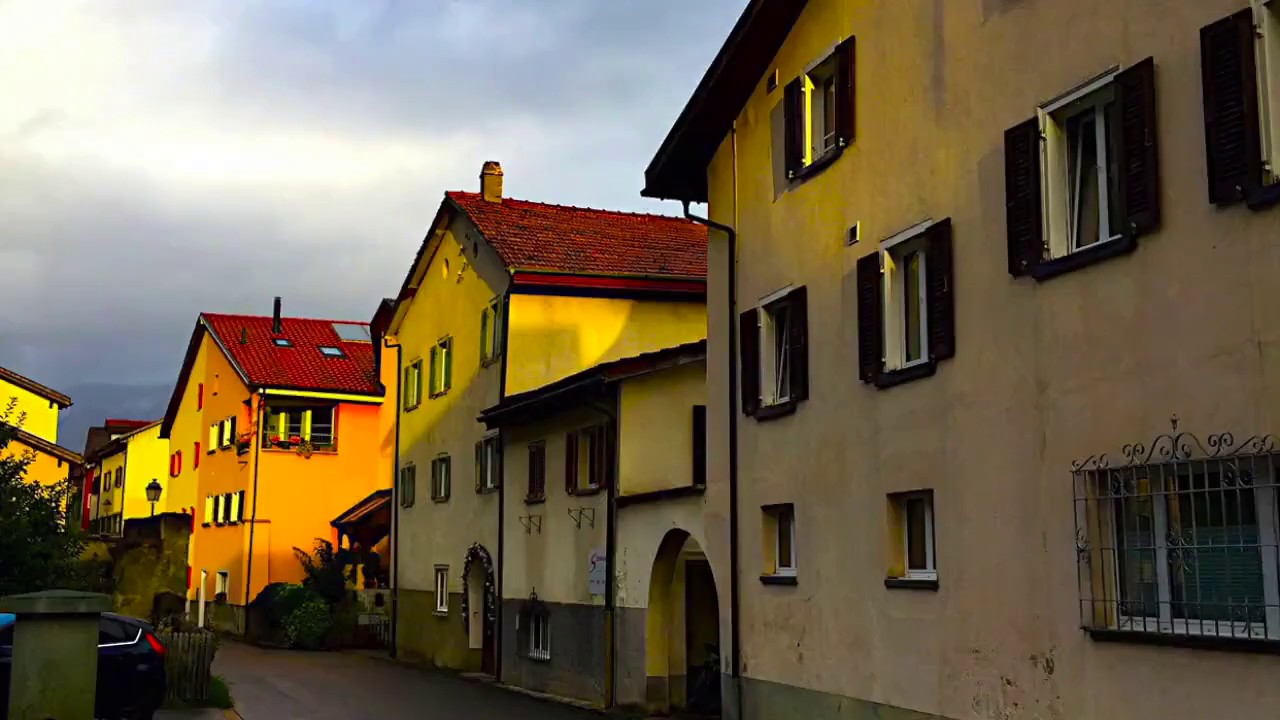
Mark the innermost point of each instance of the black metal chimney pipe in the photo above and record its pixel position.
(276, 327)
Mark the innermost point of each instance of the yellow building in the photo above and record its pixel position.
(123, 468)
(971, 358)
(32, 409)
(276, 426)
(608, 594)
(506, 296)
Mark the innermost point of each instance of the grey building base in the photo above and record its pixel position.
(577, 665)
(764, 700)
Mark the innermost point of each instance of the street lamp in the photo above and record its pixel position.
(153, 494)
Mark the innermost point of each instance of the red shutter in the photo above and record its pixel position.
(179, 454)
(1139, 159)
(173, 465)
(870, 319)
(200, 396)
(846, 90)
(1232, 130)
(793, 123)
(571, 462)
(940, 293)
(195, 461)
(798, 340)
(749, 348)
(1023, 214)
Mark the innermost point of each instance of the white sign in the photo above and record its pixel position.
(597, 572)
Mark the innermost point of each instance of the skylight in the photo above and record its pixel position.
(327, 351)
(352, 332)
(283, 342)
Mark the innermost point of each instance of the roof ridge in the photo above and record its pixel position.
(283, 318)
(582, 208)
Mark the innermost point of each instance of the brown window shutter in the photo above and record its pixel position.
(571, 463)
(846, 90)
(610, 453)
(479, 465)
(1139, 159)
(700, 445)
(870, 319)
(793, 137)
(940, 292)
(1022, 197)
(749, 348)
(1232, 130)
(798, 302)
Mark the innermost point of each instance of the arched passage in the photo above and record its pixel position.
(479, 606)
(682, 630)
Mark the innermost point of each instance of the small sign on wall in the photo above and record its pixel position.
(597, 572)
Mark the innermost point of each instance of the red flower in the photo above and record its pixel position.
(294, 440)
(275, 438)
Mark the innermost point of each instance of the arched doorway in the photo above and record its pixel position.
(480, 606)
(682, 630)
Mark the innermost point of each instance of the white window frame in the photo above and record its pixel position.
(930, 571)
(1266, 19)
(539, 636)
(792, 563)
(441, 482)
(490, 450)
(491, 331)
(441, 354)
(893, 251)
(1265, 511)
(408, 485)
(222, 583)
(773, 378)
(1055, 186)
(412, 391)
(442, 589)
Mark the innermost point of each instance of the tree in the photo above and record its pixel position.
(325, 570)
(38, 551)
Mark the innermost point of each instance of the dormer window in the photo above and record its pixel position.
(333, 352)
(283, 342)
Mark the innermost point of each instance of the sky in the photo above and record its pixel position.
(159, 159)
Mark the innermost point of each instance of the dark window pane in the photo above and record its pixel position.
(786, 555)
(1215, 565)
(911, 305)
(917, 554)
(1082, 174)
(1136, 555)
(112, 631)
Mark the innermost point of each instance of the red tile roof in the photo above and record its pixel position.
(300, 367)
(536, 236)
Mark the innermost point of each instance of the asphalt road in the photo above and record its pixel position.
(288, 685)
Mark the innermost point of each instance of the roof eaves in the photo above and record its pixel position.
(44, 391)
(38, 443)
(180, 387)
(407, 292)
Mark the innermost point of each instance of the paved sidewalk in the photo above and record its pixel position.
(289, 685)
(198, 714)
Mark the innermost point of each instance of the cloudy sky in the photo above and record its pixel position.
(161, 158)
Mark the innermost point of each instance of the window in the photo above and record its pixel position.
(538, 634)
(412, 389)
(352, 332)
(113, 632)
(1082, 177)
(209, 512)
(224, 433)
(217, 510)
(780, 542)
(491, 331)
(906, 315)
(222, 583)
(1240, 71)
(214, 436)
(440, 480)
(442, 590)
(1183, 548)
(239, 514)
(537, 472)
(699, 445)
(819, 112)
(775, 354)
(441, 378)
(333, 352)
(589, 459)
(228, 508)
(408, 485)
(913, 524)
(310, 423)
(488, 464)
(120, 472)
(282, 342)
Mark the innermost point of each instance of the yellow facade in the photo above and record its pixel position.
(34, 412)
(46, 468)
(133, 461)
(655, 442)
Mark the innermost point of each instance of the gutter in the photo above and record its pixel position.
(395, 498)
(253, 516)
(734, 564)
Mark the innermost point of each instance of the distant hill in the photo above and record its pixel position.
(94, 402)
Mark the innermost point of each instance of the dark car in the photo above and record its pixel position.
(131, 679)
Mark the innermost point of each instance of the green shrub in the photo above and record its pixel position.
(306, 625)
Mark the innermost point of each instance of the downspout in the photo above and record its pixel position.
(502, 489)
(395, 498)
(253, 515)
(735, 634)
(610, 553)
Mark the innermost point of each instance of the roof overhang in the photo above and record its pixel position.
(61, 400)
(679, 169)
(39, 444)
(647, 287)
(373, 399)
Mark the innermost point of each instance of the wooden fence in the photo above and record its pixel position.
(188, 664)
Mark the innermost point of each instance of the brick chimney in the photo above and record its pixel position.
(491, 181)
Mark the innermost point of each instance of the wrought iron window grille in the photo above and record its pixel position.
(1178, 538)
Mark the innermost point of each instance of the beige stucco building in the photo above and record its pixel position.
(976, 245)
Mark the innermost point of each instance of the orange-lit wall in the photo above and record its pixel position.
(44, 469)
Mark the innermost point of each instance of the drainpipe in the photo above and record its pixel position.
(502, 488)
(253, 515)
(735, 634)
(610, 554)
(395, 499)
